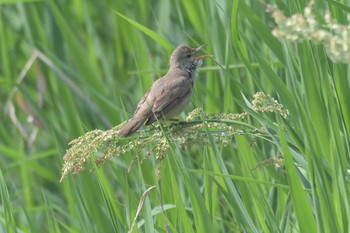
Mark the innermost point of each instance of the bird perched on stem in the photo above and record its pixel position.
(170, 94)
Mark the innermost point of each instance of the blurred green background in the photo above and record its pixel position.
(68, 67)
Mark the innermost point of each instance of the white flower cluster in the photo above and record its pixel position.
(334, 37)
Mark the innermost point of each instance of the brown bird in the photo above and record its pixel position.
(170, 94)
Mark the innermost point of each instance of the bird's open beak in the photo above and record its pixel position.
(199, 49)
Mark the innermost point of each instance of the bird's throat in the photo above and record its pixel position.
(193, 67)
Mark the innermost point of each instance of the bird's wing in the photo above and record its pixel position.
(170, 97)
(142, 101)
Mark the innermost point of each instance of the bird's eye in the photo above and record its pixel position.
(188, 56)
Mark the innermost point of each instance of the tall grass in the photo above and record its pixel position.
(91, 63)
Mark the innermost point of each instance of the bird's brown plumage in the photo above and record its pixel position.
(168, 95)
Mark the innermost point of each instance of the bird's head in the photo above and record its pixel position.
(183, 56)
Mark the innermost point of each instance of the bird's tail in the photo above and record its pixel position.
(132, 126)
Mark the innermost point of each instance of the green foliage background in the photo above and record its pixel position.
(96, 60)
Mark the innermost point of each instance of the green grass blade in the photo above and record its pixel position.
(10, 222)
(156, 37)
(303, 209)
